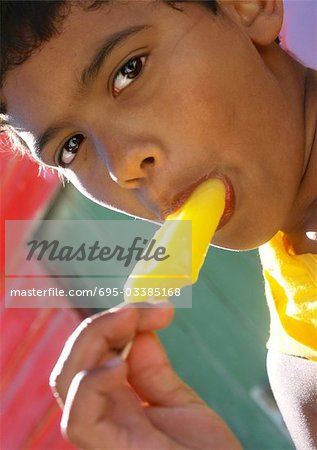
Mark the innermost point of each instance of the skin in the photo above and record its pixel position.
(189, 114)
(140, 158)
(156, 410)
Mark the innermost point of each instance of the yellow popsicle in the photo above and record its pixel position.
(204, 209)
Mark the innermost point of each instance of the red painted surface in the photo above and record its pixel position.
(31, 339)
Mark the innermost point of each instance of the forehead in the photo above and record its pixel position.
(39, 82)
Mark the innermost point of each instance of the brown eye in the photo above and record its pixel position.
(69, 150)
(127, 73)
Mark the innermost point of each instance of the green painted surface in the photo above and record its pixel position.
(218, 345)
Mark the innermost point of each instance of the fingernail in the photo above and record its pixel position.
(113, 362)
(159, 303)
(119, 307)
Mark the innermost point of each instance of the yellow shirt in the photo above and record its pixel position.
(291, 291)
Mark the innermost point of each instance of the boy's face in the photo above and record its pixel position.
(195, 100)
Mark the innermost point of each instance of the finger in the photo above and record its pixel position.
(95, 340)
(102, 393)
(114, 411)
(99, 338)
(155, 316)
(153, 378)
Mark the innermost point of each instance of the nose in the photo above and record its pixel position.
(130, 165)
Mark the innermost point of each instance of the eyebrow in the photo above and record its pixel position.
(88, 76)
(90, 73)
(48, 135)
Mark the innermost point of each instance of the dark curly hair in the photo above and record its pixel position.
(26, 25)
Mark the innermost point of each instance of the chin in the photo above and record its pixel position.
(234, 248)
(241, 241)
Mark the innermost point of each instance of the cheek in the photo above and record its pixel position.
(200, 96)
(100, 189)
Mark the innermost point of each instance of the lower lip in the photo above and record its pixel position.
(229, 198)
(229, 201)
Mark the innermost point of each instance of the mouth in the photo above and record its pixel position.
(180, 199)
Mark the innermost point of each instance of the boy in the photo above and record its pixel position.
(151, 98)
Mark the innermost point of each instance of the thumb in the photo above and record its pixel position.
(152, 376)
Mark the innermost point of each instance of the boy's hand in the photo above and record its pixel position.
(140, 404)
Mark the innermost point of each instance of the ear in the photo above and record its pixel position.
(261, 19)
